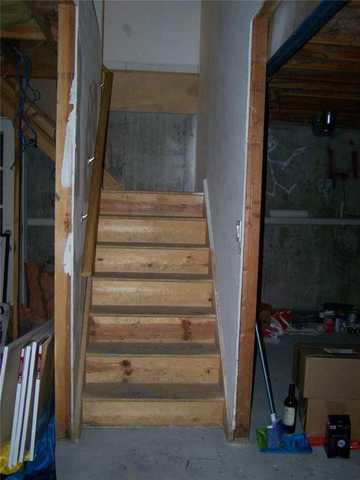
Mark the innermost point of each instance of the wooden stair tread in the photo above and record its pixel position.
(152, 246)
(152, 192)
(136, 349)
(184, 277)
(179, 204)
(151, 217)
(149, 391)
(125, 310)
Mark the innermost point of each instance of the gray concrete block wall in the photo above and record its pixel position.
(152, 151)
(307, 265)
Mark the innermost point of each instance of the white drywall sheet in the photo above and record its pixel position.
(221, 156)
(152, 35)
(86, 90)
(288, 16)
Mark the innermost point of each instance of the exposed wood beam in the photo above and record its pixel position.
(251, 248)
(66, 61)
(27, 31)
(41, 20)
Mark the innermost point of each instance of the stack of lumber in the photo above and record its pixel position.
(26, 384)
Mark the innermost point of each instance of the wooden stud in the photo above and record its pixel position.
(252, 222)
(66, 63)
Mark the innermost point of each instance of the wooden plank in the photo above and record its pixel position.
(97, 178)
(114, 291)
(152, 203)
(252, 220)
(26, 31)
(80, 375)
(152, 259)
(193, 366)
(156, 405)
(159, 328)
(152, 230)
(66, 62)
(147, 91)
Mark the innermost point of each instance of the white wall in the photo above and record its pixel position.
(288, 16)
(152, 35)
(81, 135)
(224, 84)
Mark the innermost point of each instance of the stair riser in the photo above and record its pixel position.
(152, 293)
(157, 204)
(152, 260)
(151, 329)
(153, 413)
(152, 230)
(152, 369)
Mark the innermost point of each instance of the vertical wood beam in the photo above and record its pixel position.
(66, 60)
(252, 224)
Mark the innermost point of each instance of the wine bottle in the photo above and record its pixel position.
(290, 409)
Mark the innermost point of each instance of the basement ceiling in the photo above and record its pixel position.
(323, 75)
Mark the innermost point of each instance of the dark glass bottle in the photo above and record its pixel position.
(290, 410)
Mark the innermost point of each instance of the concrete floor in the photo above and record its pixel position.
(199, 453)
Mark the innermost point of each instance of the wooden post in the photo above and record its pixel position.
(252, 220)
(66, 61)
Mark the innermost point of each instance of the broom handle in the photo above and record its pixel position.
(265, 369)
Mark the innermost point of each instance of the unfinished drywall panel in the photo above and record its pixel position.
(86, 93)
(152, 151)
(305, 265)
(221, 157)
(152, 35)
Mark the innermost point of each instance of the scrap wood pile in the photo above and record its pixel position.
(26, 386)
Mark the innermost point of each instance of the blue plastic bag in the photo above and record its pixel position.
(44, 452)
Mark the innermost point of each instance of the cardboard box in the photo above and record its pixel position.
(314, 413)
(327, 372)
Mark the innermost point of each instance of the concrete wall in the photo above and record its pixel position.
(307, 265)
(221, 157)
(152, 151)
(152, 35)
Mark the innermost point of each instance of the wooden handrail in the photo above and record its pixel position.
(97, 177)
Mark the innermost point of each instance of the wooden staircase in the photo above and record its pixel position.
(152, 356)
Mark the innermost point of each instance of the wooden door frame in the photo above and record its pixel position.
(252, 217)
(63, 225)
(260, 68)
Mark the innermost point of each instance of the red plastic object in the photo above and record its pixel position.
(320, 441)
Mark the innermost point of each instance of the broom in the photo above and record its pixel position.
(274, 431)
